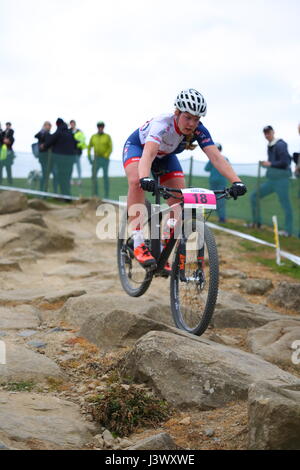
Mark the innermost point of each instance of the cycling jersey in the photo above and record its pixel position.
(164, 131)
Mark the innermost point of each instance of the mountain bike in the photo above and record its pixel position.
(194, 277)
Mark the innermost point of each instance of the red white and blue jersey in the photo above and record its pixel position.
(164, 131)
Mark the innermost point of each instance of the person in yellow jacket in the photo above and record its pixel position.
(79, 138)
(102, 145)
(6, 160)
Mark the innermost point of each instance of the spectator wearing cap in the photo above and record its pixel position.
(102, 145)
(217, 181)
(45, 158)
(63, 148)
(278, 180)
(80, 146)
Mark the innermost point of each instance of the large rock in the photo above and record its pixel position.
(77, 311)
(9, 265)
(38, 295)
(39, 205)
(21, 317)
(28, 216)
(161, 441)
(274, 417)
(24, 365)
(12, 201)
(233, 311)
(286, 295)
(73, 271)
(25, 254)
(193, 372)
(274, 341)
(68, 213)
(232, 273)
(63, 295)
(256, 286)
(7, 237)
(46, 420)
(41, 239)
(118, 328)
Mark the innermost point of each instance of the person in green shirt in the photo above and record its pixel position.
(80, 146)
(102, 145)
(6, 160)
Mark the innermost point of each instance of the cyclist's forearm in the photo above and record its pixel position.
(222, 165)
(149, 154)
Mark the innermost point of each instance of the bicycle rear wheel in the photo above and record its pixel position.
(194, 283)
(134, 278)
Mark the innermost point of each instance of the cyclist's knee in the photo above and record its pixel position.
(134, 183)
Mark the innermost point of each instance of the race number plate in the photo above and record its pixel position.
(199, 197)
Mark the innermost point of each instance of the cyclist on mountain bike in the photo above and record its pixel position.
(154, 147)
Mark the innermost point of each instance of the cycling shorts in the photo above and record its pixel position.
(168, 165)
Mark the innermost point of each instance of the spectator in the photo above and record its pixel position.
(80, 146)
(9, 134)
(6, 159)
(217, 181)
(1, 135)
(102, 145)
(296, 158)
(278, 174)
(62, 144)
(45, 158)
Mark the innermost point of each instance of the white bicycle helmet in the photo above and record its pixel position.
(191, 101)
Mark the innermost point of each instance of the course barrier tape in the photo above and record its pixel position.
(295, 259)
(34, 192)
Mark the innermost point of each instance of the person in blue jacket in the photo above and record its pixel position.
(217, 181)
(278, 180)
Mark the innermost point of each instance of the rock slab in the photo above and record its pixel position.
(26, 417)
(274, 417)
(24, 365)
(161, 441)
(274, 341)
(191, 372)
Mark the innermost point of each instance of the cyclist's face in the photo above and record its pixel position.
(187, 123)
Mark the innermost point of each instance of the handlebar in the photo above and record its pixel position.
(167, 192)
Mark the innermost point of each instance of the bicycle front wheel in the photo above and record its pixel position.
(194, 282)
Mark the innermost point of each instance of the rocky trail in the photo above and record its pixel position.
(72, 334)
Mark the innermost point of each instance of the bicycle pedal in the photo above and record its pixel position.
(150, 269)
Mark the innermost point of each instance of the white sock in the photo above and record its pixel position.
(138, 238)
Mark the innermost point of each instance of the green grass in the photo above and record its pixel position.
(239, 209)
(19, 386)
(288, 268)
(291, 244)
(266, 256)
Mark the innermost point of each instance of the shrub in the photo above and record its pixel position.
(122, 410)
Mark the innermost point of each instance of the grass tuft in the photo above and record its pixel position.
(122, 410)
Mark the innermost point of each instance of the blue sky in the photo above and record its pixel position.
(124, 62)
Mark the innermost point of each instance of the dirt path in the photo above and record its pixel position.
(91, 266)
